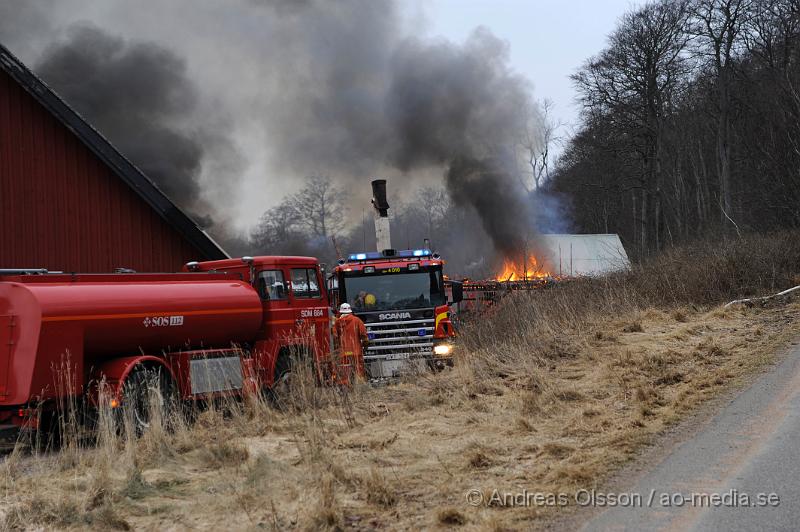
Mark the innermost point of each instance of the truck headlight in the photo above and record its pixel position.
(442, 349)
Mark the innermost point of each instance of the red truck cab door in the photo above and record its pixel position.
(311, 307)
(277, 328)
(295, 314)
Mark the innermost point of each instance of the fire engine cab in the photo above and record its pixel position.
(401, 297)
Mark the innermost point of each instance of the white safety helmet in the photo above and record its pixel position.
(345, 309)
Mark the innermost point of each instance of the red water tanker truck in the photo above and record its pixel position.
(218, 328)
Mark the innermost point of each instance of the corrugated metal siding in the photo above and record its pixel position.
(61, 208)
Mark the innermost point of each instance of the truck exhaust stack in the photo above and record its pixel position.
(382, 232)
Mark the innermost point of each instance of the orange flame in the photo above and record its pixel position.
(513, 271)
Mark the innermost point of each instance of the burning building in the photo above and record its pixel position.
(567, 255)
(558, 257)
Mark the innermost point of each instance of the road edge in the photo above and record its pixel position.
(654, 453)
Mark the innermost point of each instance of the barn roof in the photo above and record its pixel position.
(110, 156)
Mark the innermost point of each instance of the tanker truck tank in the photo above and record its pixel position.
(84, 321)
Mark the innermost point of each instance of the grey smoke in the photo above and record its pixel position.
(460, 106)
(484, 185)
(134, 93)
(374, 101)
(447, 102)
(312, 87)
(20, 22)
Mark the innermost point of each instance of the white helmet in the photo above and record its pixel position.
(345, 309)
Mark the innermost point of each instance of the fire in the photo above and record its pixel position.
(514, 271)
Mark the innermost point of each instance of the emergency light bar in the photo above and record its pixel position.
(403, 254)
(415, 253)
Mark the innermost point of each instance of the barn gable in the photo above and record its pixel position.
(70, 201)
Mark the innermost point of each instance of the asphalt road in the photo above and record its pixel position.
(750, 448)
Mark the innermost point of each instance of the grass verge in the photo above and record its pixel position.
(550, 394)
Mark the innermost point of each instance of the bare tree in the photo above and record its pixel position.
(727, 153)
(434, 204)
(635, 81)
(718, 26)
(320, 207)
(538, 137)
(303, 223)
(278, 230)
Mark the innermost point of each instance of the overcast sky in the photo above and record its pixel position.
(549, 39)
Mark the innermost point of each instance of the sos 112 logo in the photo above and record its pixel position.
(163, 321)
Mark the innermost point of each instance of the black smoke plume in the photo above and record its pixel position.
(345, 89)
(461, 107)
(374, 103)
(135, 93)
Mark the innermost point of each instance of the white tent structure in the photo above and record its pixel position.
(574, 255)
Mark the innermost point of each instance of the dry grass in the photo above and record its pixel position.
(551, 394)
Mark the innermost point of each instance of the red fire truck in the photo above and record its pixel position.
(216, 329)
(401, 297)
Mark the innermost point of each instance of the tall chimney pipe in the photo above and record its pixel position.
(382, 234)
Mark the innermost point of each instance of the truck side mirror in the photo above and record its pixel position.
(333, 292)
(457, 289)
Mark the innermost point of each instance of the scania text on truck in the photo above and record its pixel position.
(218, 328)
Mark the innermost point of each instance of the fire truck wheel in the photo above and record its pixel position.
(283, 370)
(438, 365)
(149, 396)
(289, 368)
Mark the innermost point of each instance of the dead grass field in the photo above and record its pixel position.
(549, 394)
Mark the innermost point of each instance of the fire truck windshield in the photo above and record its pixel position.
(420, 289)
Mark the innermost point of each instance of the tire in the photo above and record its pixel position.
(282, 377)
(283, 370)
(285, 376)
(440, 364)
(146, 390)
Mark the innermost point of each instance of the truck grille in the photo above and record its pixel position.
(397, 340)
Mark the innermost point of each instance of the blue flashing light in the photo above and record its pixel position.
(377, 255)
(369, 255)
(408, 253)
(421, 332)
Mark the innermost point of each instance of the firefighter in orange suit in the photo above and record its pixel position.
(350, 334)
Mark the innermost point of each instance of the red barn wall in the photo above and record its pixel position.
(61, 208)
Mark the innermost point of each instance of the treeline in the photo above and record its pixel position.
(691, 124)
(320, 220)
